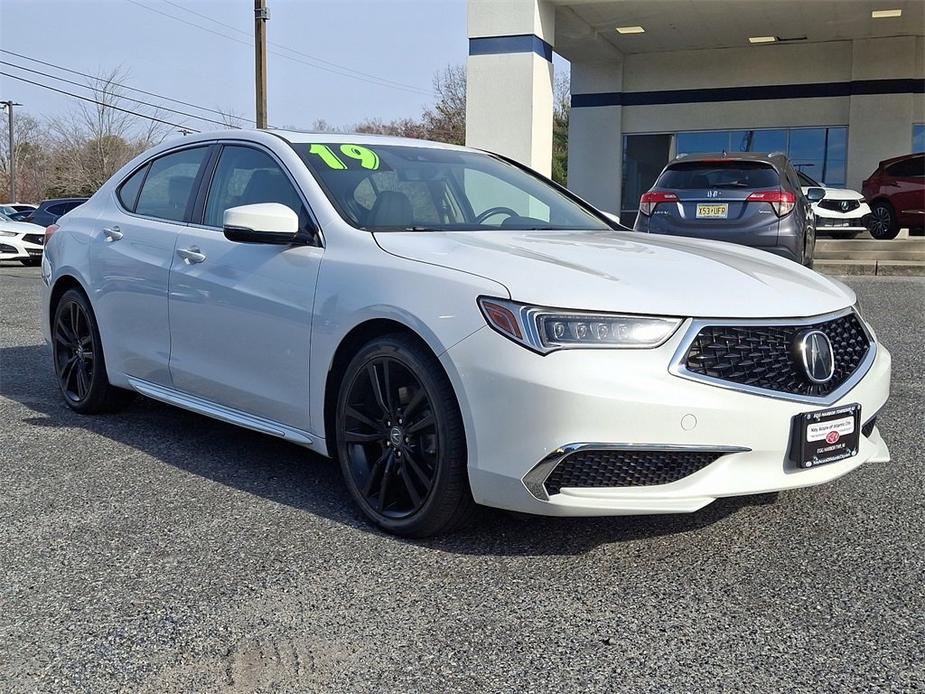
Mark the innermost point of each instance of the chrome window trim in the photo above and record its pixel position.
(535, 479)
(677, 366)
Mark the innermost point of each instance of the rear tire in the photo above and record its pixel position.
(79, 363)
(400, 439)
(883, 224)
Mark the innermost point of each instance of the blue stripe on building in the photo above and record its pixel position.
(771, 91)
(522, 43)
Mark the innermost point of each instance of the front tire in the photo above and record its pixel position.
(77, 351)
(883, 224)
(400, 439)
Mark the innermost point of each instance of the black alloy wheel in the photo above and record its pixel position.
(882, 224)
(78, 357)
(400, 439)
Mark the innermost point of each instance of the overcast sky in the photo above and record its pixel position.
(402, 41)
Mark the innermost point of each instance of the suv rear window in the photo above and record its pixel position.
(693, 175)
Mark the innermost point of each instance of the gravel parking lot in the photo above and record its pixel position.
(160, 551)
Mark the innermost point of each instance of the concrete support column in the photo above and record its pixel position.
(509, 91)
(595, 136)
(880, 125)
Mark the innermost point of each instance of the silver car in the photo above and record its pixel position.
(746, 198)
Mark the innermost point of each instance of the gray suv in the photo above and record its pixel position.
(746, 198)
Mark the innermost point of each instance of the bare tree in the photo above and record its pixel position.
(96, 139)
(31, 143)
(446, 120)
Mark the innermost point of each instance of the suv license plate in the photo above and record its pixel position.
(826, 436)
(712, 211)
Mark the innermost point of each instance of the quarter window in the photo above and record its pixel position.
(128, 191)
(246, 176)
(169, 186)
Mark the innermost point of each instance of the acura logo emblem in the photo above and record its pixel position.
(814, 353)
(844, 206)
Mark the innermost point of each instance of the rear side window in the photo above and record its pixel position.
(128, 191)
(907, 168)
(169, 186)
(693, 175)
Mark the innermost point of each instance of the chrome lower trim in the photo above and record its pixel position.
(678, 368)
(535, 480)
(216, 411)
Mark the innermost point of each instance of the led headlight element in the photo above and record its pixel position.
(546, 329)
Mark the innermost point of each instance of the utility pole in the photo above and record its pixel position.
(9, 112)
(261, 15)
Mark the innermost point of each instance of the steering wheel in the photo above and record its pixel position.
(492, 211)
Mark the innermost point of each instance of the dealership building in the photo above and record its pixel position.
(837, 85)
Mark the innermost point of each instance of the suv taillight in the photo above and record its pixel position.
(781, 200)
(649, 200)
(49, 232)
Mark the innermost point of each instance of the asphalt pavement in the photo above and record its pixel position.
(160, 551)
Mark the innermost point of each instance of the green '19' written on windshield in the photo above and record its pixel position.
(351, 156)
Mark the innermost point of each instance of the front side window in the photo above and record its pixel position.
(246, 176)
(914, 167)
(169, 186)
(396, 187)
(694, 175)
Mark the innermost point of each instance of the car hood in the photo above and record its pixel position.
(839, 194)
(22, 227)
(628, 272)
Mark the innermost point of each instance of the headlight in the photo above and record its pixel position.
(7, 233)
(547, 329)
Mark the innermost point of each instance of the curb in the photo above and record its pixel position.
(881, 268)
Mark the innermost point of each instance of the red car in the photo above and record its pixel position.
(896, 194)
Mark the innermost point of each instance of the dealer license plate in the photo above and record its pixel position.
(705, 211)
(826, 436)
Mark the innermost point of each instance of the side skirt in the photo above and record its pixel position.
(227, 414)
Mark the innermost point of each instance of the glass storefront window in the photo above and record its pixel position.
(821, 153)
(918, 137)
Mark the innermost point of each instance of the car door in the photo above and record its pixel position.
(131, 253)
(240, 313)
(909, 185)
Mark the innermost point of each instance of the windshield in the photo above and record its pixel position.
(402, 188)
(807, 181)
(695, 175)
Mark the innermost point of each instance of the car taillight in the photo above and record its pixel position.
(649, 200)
(49, 232)
(781, 200)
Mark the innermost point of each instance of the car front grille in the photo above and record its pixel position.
(840, 205)
(764, 356)
(34, 238)
(626, 468)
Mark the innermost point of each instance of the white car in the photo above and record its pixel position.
(21, 241)
(456, 330)
(842, 213)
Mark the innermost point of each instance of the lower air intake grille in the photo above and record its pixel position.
(606, 468)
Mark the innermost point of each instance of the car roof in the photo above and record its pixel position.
(304, 137)
(893, 160)
(55, 201)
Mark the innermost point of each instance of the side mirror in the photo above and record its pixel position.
(815, 194)
(265, 222)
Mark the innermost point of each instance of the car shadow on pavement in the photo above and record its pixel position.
(288, 474)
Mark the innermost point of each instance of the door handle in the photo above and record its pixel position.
(112, 233)
(191, 255)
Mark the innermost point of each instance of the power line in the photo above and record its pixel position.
(377, 81)
(125, 86)
(293, 50)
(95, 101)
(126, 98)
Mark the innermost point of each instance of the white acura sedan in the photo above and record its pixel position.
(456, 330)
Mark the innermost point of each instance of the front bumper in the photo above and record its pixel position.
(836, 221)
(520, 407)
